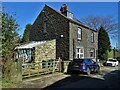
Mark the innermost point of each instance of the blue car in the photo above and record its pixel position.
(85, 65)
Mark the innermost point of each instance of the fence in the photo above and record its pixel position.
(44, 67)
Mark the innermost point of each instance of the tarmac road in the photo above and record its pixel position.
(108, 78)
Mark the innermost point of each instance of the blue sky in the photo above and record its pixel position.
(28, 12)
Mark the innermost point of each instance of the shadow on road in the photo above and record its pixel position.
(110, 80)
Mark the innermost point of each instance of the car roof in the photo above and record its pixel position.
(118, 57)
(83, 59)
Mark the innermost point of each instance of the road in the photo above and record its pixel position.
(108, 78)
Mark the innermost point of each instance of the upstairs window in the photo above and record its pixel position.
(92, 37)
(79, 34)
(45, 27)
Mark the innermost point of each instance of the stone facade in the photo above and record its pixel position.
(57, 25)
(64, 30)
(45, 51)
(84, 43)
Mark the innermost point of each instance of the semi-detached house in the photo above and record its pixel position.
(73, 38)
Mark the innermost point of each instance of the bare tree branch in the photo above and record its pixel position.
(96, 21)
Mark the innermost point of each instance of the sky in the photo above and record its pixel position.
(27, 12)
(60, 0)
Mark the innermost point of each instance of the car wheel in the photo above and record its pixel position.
(114, 65)
(97, 70)
(88, 71)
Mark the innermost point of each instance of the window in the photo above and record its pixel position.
(92, 37)
(80, 53)
(24, 51)
(79, 33)
(92, 53)
(45, 27)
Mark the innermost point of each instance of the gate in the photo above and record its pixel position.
(40, 68)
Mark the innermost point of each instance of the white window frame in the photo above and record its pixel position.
(78, 52)
(79, 33)
(93, 51)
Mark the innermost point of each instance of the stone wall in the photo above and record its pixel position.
(85, 42)
(57, 25)
(46, 51)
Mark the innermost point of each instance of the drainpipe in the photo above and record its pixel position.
(97, 56)
(73, 49)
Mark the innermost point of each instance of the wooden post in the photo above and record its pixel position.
(20, 69)
(53, 66)
(60, 65)
(38, 68)
(29, 69)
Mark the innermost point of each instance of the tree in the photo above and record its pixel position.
(10, 39)
(103, 44)
(95, 22)
(26, 33)
(9, 32)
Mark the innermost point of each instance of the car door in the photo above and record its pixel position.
(93, 65)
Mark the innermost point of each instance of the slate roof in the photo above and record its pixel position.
(30, 45)
(74, 20)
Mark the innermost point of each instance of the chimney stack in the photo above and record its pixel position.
(64, 8)
(65, 11)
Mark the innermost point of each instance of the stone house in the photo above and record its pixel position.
(73, 39)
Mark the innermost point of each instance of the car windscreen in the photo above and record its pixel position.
(118, 58)
(112, 60)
